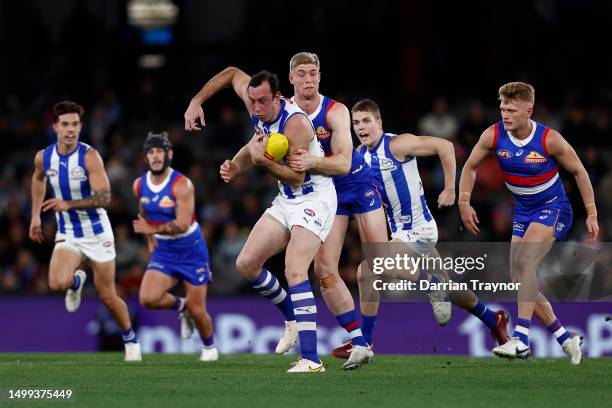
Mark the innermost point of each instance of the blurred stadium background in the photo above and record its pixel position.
(433, 67)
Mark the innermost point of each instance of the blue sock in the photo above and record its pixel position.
(423, 275)
(179, 304)
(208, 341)
(76, 282)
(269, 287)
(557, 329)
(349, 321)
(367, 327)
(305, 311)
(129, 336)
(522, 330)
(485, 314)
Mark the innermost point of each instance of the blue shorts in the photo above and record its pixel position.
(185, 261)
(557, 215)
(357, 197)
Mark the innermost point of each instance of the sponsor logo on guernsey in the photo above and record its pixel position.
(543, 217)
(51, 173)
(551, 200)
(504, 154)
(560, 226)
(406, 219)
(78, 173)
(309, 212)
(318, 222)
(358, 169)
(535, 158)
(517, 226)
(166, 202)
(546, 211)
(369, 193)
(387, 164)
(200, 270)
(519, 153)
(107, 244)
(323, 133)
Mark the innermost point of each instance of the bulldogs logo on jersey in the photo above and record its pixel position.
(535, 158)
(166, 202)
(323, 133)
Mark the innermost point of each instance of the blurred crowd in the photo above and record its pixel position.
(227, 212)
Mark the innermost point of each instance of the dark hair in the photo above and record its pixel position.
(268, 76)
(65, 107)
(367, 105)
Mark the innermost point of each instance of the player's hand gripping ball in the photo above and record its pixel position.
(277, 146)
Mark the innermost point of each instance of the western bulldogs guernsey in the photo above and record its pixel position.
(402, 190)
(182, 256)
(69, 180)
(312, 182)
(531, 174)
(355, 190)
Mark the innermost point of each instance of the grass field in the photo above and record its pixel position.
(103, 380)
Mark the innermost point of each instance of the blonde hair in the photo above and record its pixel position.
(304, 58)
(521, 91)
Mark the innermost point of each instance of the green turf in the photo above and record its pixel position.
(246, 380)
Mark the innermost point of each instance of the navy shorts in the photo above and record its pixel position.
(357, 197)
(185, 261)
(557, 215)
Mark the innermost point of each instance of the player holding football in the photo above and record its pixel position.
(394, 164)
(81, 190)
(167, 219)
(529, 154)
(300, 217)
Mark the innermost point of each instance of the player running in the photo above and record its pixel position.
(394, 165)
(529, 155)
(300, 217)
(81, 190)
(179, 253)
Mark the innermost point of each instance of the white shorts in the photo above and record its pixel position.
(422, 240)
(314, 211)
(99, 248)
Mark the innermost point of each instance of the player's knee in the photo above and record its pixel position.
(195, 309)
(107, 297)
(147, 300)
(59, 285)
(248, 265)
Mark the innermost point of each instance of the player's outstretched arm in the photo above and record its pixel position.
(566, 156)
(339, 163)
(298, 130)
(241, 162)
(98, 182)
(468, 178)
(38, 188)
(407, 145)
(229, 76)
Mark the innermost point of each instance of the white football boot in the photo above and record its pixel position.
(571, 347)
(73, 296)
(441, 305)
(289, 339)
(513, 348)
(306, 366)
(360, 356)
(186, 324)
(132, 352)
(209, 354)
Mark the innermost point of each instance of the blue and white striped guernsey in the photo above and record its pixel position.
(313, 181)
(401, 186)
(69, 180)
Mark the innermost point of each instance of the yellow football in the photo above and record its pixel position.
(277, 146)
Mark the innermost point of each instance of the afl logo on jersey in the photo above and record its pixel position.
(144, 200)
(504, 154)
(78, 173)
(535, 158)
(51, 173)
(323, 133)
(166, 202)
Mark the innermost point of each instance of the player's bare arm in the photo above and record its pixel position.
(298, 130)
(151, 241)
(229, 76)
(468, 178)
(339, 163)
(185, 203)
(241, 162)
(566, 156)
(38, 188)
(407, 145)
(99, 183)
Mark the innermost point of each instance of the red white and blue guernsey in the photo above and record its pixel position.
(357, 192)
(182, 256)
(532, 175)
(69, 180)
(401, 189)
(312, 181)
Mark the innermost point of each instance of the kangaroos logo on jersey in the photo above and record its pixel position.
(78, 173)
(535, 158)
(504, 154)
(387, 164)
(323, 133)
(166, 202)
